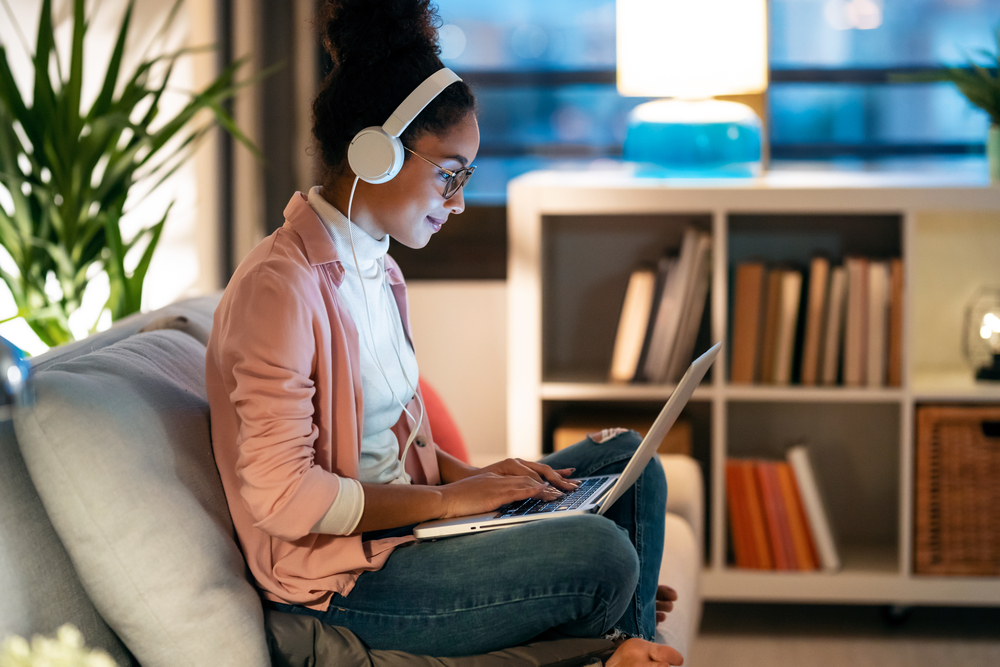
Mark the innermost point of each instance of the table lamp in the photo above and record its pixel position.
(691, 51)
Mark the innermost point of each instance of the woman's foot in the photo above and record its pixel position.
(639, 653)
(665, 598)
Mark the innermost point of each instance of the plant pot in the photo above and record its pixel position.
(993, 153)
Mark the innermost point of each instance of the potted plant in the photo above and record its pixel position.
(979, 82)
(68, 171)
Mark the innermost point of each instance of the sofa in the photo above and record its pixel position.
(113, 518)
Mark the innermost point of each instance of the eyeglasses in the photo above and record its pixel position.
(456, 179)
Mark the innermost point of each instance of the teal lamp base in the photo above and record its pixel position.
(695, 139)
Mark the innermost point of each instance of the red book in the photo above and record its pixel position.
(805, 550)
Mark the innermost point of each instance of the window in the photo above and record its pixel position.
(544, 73)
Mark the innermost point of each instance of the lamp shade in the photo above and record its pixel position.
(692, 49)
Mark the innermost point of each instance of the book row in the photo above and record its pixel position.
(777, 519)
(825, 326)
(662, 313)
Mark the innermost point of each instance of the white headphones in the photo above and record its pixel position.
(376, 153)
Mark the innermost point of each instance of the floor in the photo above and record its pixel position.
(752, 635)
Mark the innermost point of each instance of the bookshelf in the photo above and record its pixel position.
(575, 236)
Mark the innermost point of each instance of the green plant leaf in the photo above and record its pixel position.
(103, 102)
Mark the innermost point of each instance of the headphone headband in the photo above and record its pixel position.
(415, 102)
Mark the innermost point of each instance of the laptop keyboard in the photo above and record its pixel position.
(569, 501)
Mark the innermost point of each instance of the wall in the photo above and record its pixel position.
(460, 334)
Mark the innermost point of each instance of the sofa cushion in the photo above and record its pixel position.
(40, 589)
(118, 447)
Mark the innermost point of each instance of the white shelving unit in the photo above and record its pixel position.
(575, 236)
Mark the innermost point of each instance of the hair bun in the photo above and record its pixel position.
(365, 32)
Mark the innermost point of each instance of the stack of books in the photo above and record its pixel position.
(777, 518)
(825, 326)
(662, 313)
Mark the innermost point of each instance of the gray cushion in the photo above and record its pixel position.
(40, 589)
(118, 447)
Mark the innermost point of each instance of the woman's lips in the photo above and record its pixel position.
(435, 223)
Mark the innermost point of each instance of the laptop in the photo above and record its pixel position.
(595, 495)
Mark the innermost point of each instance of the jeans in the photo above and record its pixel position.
(578, 576)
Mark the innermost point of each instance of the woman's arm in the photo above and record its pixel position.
(395, 505)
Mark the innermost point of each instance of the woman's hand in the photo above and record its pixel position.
(487, 491)
(665, 598)
(537, 471)
(639, 652)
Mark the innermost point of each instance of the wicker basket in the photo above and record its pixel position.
(958, 490)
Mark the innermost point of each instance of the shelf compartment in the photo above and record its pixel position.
(854, 448)
(783, 241)
(951, 256)
(586, 264)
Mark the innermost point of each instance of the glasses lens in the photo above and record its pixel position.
(456, 181)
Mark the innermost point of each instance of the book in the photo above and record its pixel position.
(878, 325)
(805, 550)
(788, 319)
(668, 314)
(748, 305)
(894, 372)
(632, 324)
(816, 310)
(812, 503)
(856, 325)
(664, 267)
(691, 312)
(833, 339)
(779, 531)
(574, 427)
(772, 319)
(755, 509)
(741, 536)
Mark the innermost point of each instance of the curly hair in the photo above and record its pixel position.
(381, 50)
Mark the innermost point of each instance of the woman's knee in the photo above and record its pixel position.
(604, 553)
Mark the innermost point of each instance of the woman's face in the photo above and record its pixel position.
(410, 207)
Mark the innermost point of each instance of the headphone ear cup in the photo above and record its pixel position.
(374, 155)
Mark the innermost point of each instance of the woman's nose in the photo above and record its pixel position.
(456, 204)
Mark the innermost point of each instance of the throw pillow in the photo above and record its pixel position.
(118, 447)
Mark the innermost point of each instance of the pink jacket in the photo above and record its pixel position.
(284, 387)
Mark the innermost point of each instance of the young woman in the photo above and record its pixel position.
(318, 423)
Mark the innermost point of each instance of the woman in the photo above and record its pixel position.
(312, 383)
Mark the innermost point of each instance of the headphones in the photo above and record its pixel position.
(376, 153)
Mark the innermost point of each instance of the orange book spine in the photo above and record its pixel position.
(755, 508)
(805, 550)
(774, 513)
(739, 525)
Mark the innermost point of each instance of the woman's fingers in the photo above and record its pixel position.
(539, 472)
(553, 477)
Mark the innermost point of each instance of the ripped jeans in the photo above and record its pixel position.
(578, 576)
